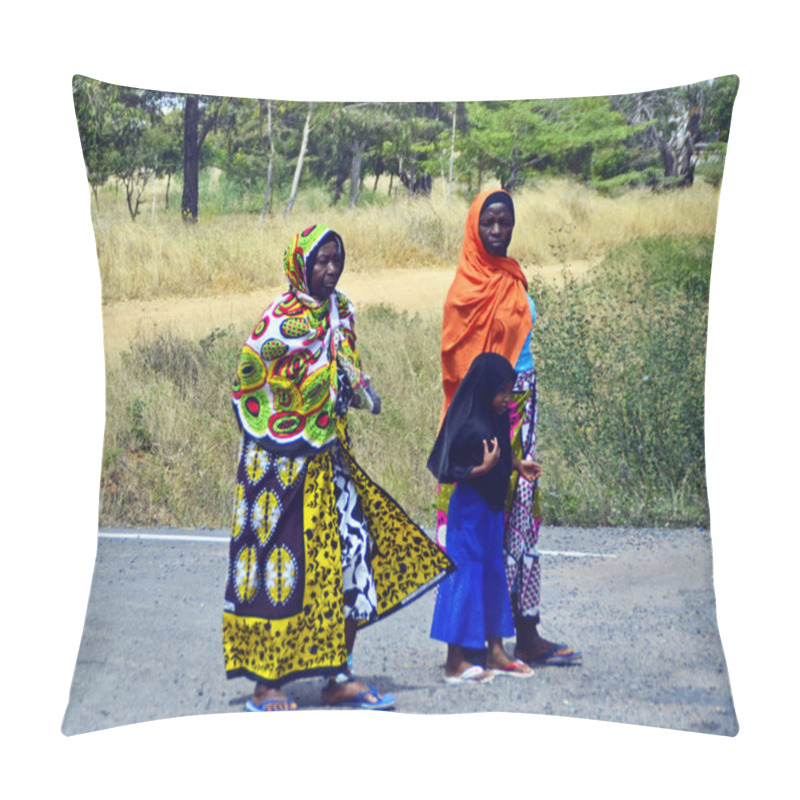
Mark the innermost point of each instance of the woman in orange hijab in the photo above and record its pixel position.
(488, 310)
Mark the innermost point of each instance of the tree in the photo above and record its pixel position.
(417, 130)
(361, 126)
(718, 109)
(168, 144)
(200, 115)
(135, 160)
(300, 158)
(452, 154)
(96, 107)
(675, 121)
(268, 147)
(522, 136)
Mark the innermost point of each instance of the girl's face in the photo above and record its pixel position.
(503, 398)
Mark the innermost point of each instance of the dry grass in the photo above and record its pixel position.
(169, 454)
(558, 222)
(170, 437)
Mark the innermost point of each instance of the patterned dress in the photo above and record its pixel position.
(314, 539)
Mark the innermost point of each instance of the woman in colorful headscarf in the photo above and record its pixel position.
(318, 550)
(488, 310)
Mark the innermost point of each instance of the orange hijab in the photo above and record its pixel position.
(486, 309)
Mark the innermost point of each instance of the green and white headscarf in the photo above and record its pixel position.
(286, 384)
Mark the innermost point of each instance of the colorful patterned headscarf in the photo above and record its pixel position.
(299, 253)
(286, 384)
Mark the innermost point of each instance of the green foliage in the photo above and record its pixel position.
(711, 171)
(95, 105)
(719, 108)
(670, 266)
(522, 137)
(648, 178)
(614, 142)
(620, 361)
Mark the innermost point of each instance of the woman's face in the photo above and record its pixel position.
(503, 398)
(495, 226)
(326, 271)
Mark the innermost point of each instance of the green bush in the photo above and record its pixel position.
(650, 177)
(668, 265)
(711, 171)
(620, 361)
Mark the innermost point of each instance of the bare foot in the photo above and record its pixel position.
(511, 667)
(542, 648)
(460, 669)
(498, 660)
(334, 693)
(267, 699)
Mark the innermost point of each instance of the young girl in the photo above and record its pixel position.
(473, 450)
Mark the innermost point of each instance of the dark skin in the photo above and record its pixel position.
(326, 271)
(496, 656)
(495, 226)
(324, 277)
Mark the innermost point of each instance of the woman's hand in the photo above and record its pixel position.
(491, 455)
(529, 470)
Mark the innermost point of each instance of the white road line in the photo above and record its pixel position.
(164, 537)
(188, 537)
(573, 554)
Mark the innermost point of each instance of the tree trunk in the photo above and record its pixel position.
(166, 194)
(135, 184)
(300, 157)
(338, 186)
(684, 146)
(511, 184)
(359, 146)
(191, 160)
(452, 157)
(270, 160)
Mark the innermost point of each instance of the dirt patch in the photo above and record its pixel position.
(420, 290)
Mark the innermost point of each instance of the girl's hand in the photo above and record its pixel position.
(529, 470)
(491, 456)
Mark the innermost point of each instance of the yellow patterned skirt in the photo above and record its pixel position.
(284, 608)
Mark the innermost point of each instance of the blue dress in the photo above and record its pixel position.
(472, 603)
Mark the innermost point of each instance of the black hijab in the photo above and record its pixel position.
(500, 197)
(469, 420)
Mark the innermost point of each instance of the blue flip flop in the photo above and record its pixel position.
(264, 705)
(552, 658)
(381, 702)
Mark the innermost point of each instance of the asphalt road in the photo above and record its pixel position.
(638, 603)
